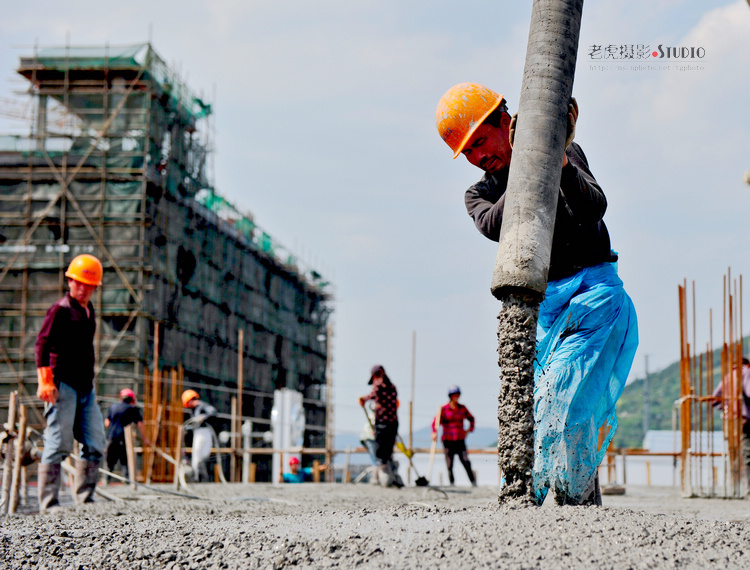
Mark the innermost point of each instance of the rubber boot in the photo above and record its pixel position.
(385, 475)
(397, 481)
(593, 495)
(374, 475)
(48, 483)
(87, 474)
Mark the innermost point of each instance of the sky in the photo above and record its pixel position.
(324, 130)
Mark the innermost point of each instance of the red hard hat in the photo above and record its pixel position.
(127, 393)
(294, 461)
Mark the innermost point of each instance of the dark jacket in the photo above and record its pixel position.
(386, 401)
(66, 343)
(121, 415)
(580, 237)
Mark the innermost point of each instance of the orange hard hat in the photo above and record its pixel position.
(86, 269)
(461, 110)
(188, 396)
(127, 393)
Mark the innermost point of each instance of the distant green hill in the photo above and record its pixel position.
(664, 390)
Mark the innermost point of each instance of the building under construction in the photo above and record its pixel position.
(194, 295)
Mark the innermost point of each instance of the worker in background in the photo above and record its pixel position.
(718, 394)
(385, 396)
(453, 418)
(587, 323)
(299, 474)
(202, 418)
(119, 416)
(65, 370)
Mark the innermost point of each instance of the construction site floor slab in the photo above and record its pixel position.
(366, 526)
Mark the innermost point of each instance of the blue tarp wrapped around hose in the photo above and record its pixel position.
(586, 341)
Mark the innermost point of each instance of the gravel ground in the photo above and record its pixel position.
(365, 526)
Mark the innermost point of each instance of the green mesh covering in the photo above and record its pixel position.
(136, 57)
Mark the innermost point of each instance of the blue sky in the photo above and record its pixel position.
(324, 130)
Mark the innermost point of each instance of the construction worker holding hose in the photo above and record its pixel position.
(65, 370)
(587, 323)
(202, 416)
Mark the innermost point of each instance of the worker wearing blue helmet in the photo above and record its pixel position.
(453, 417)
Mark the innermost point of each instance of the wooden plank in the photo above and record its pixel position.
(130, 452)
(20, 441)
(8, 465)
(152, 452)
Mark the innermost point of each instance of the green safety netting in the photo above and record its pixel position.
(124, 57)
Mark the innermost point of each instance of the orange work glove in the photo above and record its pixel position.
(46, 391)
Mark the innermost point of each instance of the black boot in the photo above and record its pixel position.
(87, 474)
(593, 495)
(48, 482)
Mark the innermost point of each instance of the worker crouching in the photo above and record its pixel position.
(65, 369)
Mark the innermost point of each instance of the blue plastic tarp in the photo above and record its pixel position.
(586, 341)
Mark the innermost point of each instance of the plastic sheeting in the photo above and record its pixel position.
(586, 341)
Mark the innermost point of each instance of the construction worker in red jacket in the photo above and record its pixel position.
(65, 370)
(453, 417)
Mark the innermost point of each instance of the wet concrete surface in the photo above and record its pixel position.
(365, 526)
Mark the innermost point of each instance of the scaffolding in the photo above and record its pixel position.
(701, 413)
(115, 165)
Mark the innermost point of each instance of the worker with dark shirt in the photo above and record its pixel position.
(65, 370)
(121, 415)
(588, 332)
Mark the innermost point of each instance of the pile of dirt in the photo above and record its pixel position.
(365, 526)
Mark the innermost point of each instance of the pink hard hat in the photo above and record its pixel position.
(294, 461)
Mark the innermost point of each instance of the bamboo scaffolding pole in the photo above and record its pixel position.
(9, 453)
(233, 403)
(237, 428)
(17, 464)
(154, 449)
(129, 452)
(175, 391)
(330, 420)
(177, 457)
